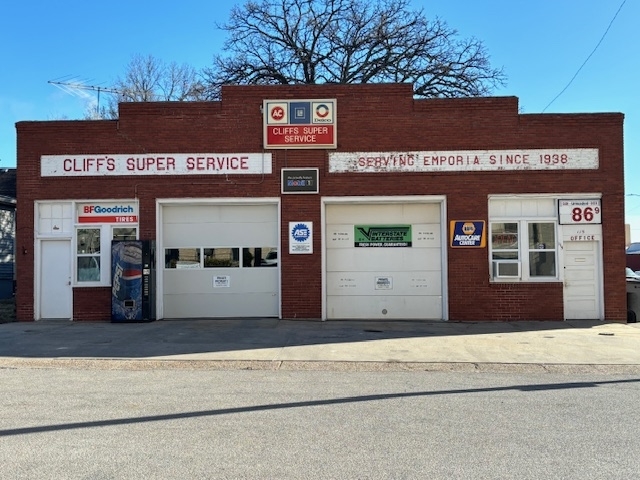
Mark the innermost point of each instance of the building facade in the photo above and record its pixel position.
(328, 202)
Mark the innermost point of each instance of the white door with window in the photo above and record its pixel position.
(55, 280)
(581, 281)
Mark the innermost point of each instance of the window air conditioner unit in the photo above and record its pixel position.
(506, 269)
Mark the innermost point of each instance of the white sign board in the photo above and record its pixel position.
(464, 161)
(384, 283)
(300, 237)
(221, 281)
(88, 165)
(580, 211)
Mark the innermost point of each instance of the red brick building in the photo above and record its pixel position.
(327, 202)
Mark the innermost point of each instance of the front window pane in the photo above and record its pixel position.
(542, 264)
(504, 241)
(221, 257)
(88, 240)
(88, 255)
(542, 236)
(124, 233)
(182, 258)
(89, 269)
(542, 250)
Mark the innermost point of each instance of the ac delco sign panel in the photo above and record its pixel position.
(107, 212)
(299, 123)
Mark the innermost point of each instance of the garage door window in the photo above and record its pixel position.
(221, 257)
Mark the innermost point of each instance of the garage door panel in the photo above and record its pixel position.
(202, 305)
(221, 234)
(258, 280)
(384, 282)
(390, 259)
(387, 308)
(181, 214)
(373, 213)
(242, 291)
(401, 283)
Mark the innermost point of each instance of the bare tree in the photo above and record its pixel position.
(148, 79)
(349, 41)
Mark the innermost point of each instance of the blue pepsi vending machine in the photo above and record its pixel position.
(133, 281)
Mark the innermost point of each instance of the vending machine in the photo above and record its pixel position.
(133, 281)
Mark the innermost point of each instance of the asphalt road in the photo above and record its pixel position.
(87, 423)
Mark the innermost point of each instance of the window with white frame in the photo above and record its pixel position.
(523, 245)
(93, 251)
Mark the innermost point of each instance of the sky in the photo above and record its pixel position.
(559, 56)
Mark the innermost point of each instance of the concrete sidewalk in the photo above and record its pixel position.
(249, 343)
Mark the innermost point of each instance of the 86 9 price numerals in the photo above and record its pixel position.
(585, 215)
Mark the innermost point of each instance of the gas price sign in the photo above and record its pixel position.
(584, 211)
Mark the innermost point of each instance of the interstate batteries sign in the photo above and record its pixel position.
(299, 123)
(382, 235)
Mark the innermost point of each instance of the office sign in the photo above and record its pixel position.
(299, 123)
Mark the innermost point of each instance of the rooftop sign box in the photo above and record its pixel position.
(299, 123)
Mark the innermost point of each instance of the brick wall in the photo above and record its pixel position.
(370, 118)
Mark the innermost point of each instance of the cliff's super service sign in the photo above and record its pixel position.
(299, 123)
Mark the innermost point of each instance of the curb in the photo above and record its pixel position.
(333, 366)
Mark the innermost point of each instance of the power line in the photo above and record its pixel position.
(585, 62)
(78, 89)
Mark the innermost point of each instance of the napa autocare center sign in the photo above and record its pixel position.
(467, 233)
(299, 123)
(88, 165)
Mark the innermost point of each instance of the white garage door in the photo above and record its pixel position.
(219, 261)
(384, 279)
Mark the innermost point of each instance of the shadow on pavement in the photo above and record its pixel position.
(53, 339)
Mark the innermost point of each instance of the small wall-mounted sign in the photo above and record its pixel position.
(467, 233)
(384, 283)
(300, 237)
(299, 180)
(299, 123)
(580, 211)
(382, 235)
(221, 281)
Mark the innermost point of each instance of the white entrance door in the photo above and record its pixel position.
(581, 281)
(55, 280)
